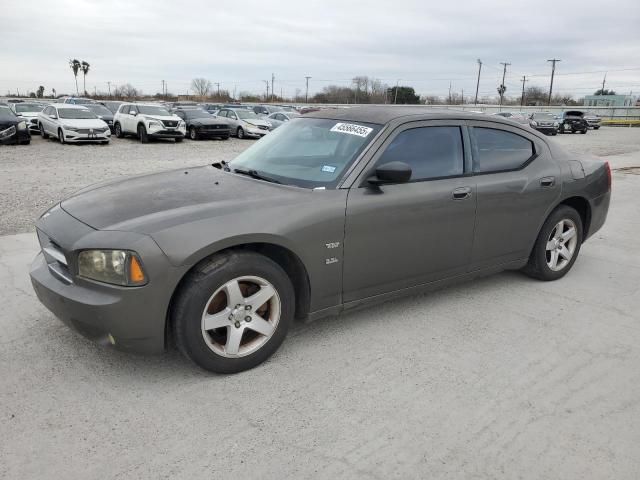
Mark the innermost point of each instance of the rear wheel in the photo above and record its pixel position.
(142, 134)
(43, 134)
(557, 245)
(233, 312)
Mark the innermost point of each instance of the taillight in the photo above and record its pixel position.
(608, 167)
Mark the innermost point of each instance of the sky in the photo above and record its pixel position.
(424, 44)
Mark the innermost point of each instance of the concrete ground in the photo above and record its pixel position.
(502, 378)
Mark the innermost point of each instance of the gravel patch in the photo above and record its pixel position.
(34, 177)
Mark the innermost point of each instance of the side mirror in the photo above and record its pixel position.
(134, 113)
(53, 116)
(392, 172)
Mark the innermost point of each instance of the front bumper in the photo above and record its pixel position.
(127, 318)
(17, 136)
(255, 132)
(546, 129)
(166, 133)
(72, 137)
(213, 133)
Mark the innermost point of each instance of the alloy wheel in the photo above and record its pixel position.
(241, 316)
(561, 245)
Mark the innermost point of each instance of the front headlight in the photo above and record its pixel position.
(556, 124)
(71, 129)
(117, 267)
(181, 124)
(534, 123)
(153, 123)
(22, 126)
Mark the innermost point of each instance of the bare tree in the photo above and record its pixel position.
(127, 91)
(75, 66)
(201, 86)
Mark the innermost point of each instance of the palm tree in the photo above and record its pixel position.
(75, 66)
(85, 69)
(53, 93)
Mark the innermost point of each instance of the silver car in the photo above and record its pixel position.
(279, 118)
(244, 123)
(28, 111)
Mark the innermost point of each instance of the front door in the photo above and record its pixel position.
(403, 235)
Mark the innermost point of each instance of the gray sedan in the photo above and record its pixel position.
(280, 118)
(334, 211)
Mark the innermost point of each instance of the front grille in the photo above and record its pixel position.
(87, 131)
(7, 132)
(214, 127)
(55, 257)
(170, 123)
(263, 127)
(34, 121)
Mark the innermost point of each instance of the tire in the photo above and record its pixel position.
(596, 128)
(204, 290)
(583, 131)
(554, 134)
(179, 139)
(226, 137)
(43, 134)
(541, 259)
(118, 130)
(240, 133)
(142, 134)
(25, 142)
(61, 136)
(193, 134)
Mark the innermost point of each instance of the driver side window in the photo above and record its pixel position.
(431, 152)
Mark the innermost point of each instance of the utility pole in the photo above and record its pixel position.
(449, 92)
(217, 84)
(306, 95)
(395, 99)
(266, 98)
(603, 80)
(163, 91)
(462, 97)
(95, 91)
(502, 86)
(524, 80)
(553, 71)
(109, 85)
(272, 80)
(478, 82)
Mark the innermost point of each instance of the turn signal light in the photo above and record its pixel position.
(136, 275)
(608, 175)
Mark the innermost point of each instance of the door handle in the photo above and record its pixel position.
(547, 182)
(461, 193)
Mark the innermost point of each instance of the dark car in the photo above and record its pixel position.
(335, 210)
(112, 105)
(201, 124)
(544, 122)
(13, 130)
(573, 121)
(102, 112)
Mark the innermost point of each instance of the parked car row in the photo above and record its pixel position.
(571, 121)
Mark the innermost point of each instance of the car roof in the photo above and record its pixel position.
(385, 114)
(68, 105)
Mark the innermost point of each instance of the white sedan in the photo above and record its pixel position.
(71, 123)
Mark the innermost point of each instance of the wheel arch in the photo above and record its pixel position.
(583, 207)
(283, 256)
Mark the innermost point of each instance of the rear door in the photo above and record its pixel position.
(517, 184)
(403, 235)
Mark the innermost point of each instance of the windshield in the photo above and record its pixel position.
(244, 114)
(307, 152)
(28, 107)
(196, 113)
(75, 113)
(543, 116)
(99, 110)
(153, 110)
(6, 113)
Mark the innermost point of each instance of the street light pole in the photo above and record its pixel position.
(478, 82)
(306, 94)
(395, 99)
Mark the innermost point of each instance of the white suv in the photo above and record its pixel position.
(148, 121)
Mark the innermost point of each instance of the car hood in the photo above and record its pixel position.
(257, 122)
(161, 117)
(83, 122)
(154, 202)
(28, 114)
(207, 121)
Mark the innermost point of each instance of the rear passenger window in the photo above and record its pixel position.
(431, 152)
(498, 150)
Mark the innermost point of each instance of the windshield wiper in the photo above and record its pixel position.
(255, 174)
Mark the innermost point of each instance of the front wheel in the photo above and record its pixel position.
(240, 133)
(193, 133)
(233, 312)
(583, 131)
(557, 245)
(61, 136)
(119, 132)
(43, 134)
(142, 134)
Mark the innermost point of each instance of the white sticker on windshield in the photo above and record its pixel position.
(328, 168)
(352, 129)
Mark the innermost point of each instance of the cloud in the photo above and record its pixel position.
(426, 44)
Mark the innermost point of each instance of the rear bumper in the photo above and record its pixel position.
(599, 212)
